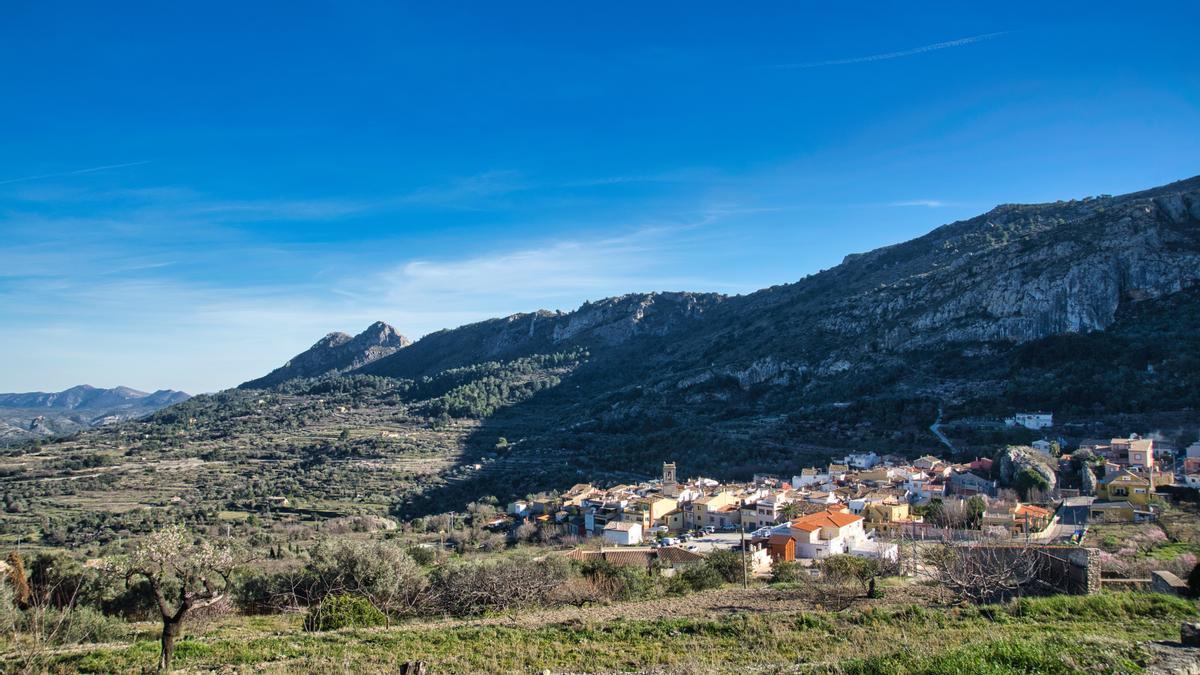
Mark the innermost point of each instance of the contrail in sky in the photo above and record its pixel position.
(76, 172)
(896, 55)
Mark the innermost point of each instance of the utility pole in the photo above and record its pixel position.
(745, 572)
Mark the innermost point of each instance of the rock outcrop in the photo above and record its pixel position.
(335, 353)
(1016, 458)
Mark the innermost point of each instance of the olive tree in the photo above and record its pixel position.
(183, 573)
(382, 572)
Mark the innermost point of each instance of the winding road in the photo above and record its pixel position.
(936, 428)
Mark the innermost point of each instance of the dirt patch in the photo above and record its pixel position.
(1172, 658)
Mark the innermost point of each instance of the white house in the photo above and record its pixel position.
(1043, 446)
(809, 478)
(861, 460)
(518, 508)
(623, 533)
(834, 532)
(769, 510)
(1034, 420)
(821, 497)
(838, 472)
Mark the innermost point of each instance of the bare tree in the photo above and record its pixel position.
(183, 573)
(983, 573)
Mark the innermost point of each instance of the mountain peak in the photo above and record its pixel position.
(336, 352)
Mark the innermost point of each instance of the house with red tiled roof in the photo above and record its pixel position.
(833, 531)
(1017, 518)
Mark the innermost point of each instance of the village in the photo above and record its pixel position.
(869, 505)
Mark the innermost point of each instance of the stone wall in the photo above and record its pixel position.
(1163, 581)
(1061, 569)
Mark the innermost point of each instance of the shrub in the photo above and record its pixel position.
(852, 569)
(9, 614)
(343, 611)
(621, 582)
(262, 592)
(701, 577)
(135, 601)
(787, 572)
(70, 625)
(423, 555)
(727, 564)
(380, 571)
(495, 585)
(1193, 581)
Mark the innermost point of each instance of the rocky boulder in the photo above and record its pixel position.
(1016, 458)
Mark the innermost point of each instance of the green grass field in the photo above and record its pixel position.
(1054, 635)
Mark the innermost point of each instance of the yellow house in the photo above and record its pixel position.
(886, 516)
(675, 521)
(1125, 486)
(711, 510)
(649, 511)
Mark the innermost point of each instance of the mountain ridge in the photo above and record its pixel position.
(85, 396)
(43, 414)
(336, 352)
(1013, 274)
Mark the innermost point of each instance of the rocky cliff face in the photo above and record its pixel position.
(976, 287)
(337, 352)
(608, 323)
(1015, 274)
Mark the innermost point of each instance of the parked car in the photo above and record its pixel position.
(710, 530)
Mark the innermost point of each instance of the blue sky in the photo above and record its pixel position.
(190, 193)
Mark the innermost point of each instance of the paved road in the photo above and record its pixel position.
(1071, 516)
(936, 428)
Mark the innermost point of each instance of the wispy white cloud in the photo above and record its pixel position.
(76, 172)
(928, 203)
(949, 44)
(163, 330)
(562, 274)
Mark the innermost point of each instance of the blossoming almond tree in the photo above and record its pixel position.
(184, 573)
